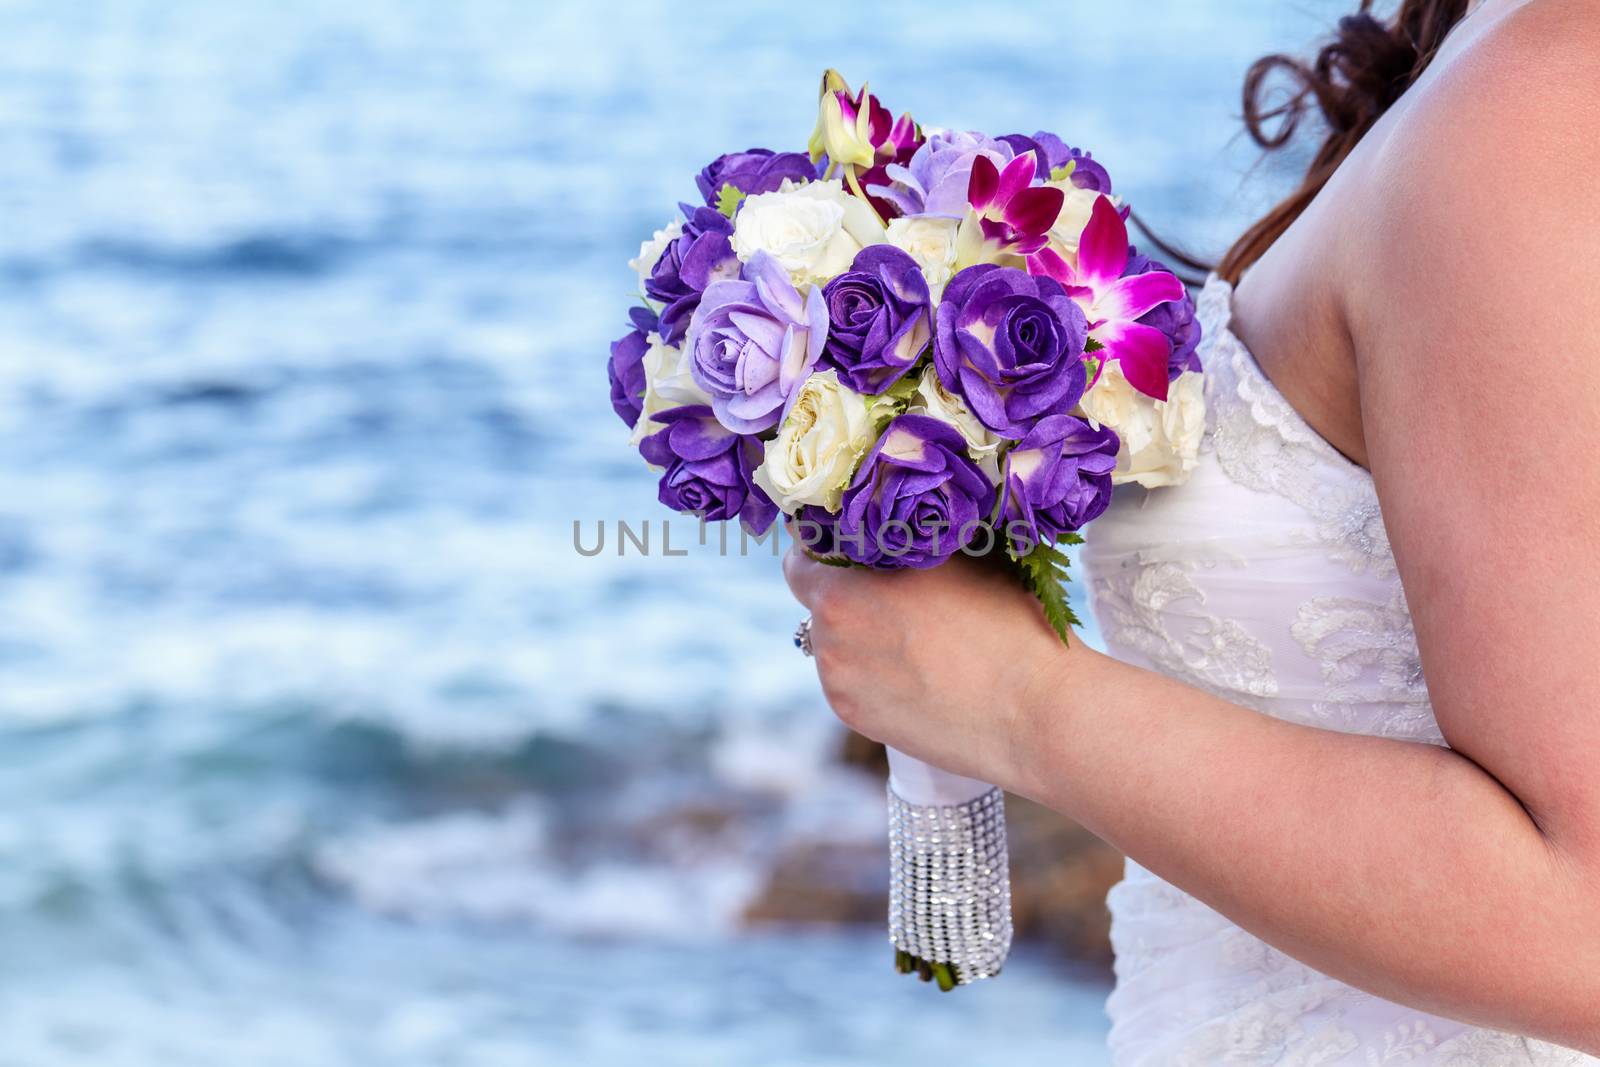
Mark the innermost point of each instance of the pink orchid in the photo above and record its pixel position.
(1113, 303)
(857, 135)
(1014, 215)
(856, 130)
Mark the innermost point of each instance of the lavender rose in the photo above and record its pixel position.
(755, 170)
(707, 468)
(880, 318)
(935, 180)
(1011, 345)
(1175, 318)
(626, 366)
(1056, 479)
(916, 499)
(752, 341)
(700, 255)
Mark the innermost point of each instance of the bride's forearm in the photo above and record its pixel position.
(1401, 868)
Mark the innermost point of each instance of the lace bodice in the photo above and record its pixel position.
(1266, 579)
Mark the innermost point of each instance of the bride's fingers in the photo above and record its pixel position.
(805, 576)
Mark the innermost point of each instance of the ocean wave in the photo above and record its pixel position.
(295, 255)
(498, 868)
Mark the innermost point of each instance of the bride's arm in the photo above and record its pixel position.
(1405, 869)
(1464, 881)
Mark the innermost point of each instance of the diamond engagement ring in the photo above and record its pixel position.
(802, 636)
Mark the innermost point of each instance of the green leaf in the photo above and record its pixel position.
(1044, 572)
(1091, 367)
(728, 198)
(893, 400)
(906, 387)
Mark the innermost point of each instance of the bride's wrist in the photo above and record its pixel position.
(1043, 715)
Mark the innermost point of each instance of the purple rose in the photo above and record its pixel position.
(700, 255)
(1087, 174)
(752, 341)
(708, 469)
(935, 180)
(1012, 345)
(626, 367)
(816, 528)
(916, 498)
(755, 170)
(1056, 479)
(880, 318)
(1174, 318)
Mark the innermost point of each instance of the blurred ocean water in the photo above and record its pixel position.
(319, 743)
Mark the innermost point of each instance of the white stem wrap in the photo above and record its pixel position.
(927, 786)
(949, 886)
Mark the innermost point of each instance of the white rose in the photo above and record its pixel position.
(1160, 438)
(667, 384)
(814, 229)
(933, 399)
(1075, 210)
(812, 459)
(932, 243)
(650, 251)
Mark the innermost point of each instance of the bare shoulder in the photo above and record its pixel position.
(1485, 180)
(1533, 69)
(1515, 107)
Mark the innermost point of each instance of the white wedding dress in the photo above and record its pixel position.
(1266, 579)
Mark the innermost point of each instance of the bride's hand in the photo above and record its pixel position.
(938, 663)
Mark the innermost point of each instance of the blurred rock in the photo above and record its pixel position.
(857, 751)
(825, 882)
(1060, 873)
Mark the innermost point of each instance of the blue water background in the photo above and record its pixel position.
(319, 744)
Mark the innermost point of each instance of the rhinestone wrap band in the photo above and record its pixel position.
(950, 885)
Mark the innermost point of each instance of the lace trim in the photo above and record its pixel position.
(1215, 654)
(1364, 647)
(1262, 443)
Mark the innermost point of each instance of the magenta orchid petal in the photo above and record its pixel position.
(1141, 352)
(1136, 295)
(1047, 263)
(1022, 245)
(1017, 176)
(848, 106)
(983, 184)
(1103, 248)
(994, 231)
(904, 134)
(1013, 216)
(1033, 211)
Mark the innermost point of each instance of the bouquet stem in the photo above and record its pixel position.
(949, 884)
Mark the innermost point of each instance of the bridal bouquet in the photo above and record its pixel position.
(913, 343)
